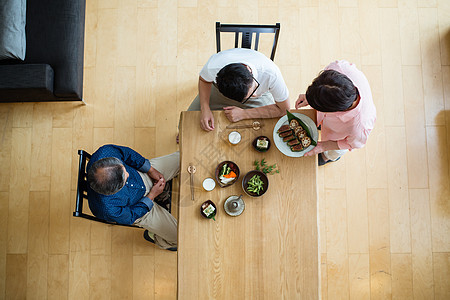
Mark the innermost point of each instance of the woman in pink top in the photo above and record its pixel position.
(343, 102)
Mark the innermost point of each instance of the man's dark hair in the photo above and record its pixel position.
(234, 80)
(331, 91)
(106, 176)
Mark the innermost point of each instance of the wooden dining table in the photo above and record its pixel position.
(271, 250)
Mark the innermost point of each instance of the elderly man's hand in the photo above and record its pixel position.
(234, 114)
(158, 188)
(155, 174)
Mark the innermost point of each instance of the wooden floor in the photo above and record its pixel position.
(384, 210)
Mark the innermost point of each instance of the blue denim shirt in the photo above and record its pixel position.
(129, 203)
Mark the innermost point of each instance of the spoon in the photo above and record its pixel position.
(256, 125)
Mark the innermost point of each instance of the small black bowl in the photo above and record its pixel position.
(247, 178)
(255, 141)
(204, 205)
(233, 166)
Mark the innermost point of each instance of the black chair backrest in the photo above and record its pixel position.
(82, 191)
(247, 32)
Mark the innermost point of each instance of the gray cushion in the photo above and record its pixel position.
(12, 29)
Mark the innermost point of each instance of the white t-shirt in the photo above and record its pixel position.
(263, 69)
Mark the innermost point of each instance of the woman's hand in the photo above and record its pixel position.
(301, 101)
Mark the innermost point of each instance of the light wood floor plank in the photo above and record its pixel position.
(58, 276)
(391, 66)
(16, 276)
(402, 282)
(422, 258)
(37, 262)
(19, 190)
(41, 155)
(444, 25)
(100, 277)
(4, 203)
(398, 191)
(441, 267)
(61, 204)
(350, 34)
(144, 277)
(5, 143)
(415, 127)
(357, 219)
(127, 33)
(124, 106)
(147, 50)
(359, 278)
(329, 31)
(431, 66)
(370, 32)
(409, 33)
(379, 244)
(79, 275)
(22, 114)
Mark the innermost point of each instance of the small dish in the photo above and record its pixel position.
(234, 137)
(246, 183)
(261, 143)
(208, 184)
(233, 167)
(208, 210)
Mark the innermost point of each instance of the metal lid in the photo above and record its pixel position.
(234, 206)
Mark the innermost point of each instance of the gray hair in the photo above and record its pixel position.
(106, 176)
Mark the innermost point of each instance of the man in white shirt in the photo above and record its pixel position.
(244, 83)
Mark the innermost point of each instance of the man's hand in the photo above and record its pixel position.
(234, 113)
(158, 188)
(316, 150)
(155, 174)
(207, 120)
(301, 101)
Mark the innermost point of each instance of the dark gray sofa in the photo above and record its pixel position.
(53, 65)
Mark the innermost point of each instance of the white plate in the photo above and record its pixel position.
(283, 146)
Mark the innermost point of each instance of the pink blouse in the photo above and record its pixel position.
(350, 128)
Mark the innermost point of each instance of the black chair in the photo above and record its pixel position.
(247, 31)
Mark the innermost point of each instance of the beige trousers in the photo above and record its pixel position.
(158, 220)
(217, 101)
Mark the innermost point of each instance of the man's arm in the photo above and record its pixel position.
(204, 91)
(278, 109)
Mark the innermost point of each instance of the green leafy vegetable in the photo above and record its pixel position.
(265, 168)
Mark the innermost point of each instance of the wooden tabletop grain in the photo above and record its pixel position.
(268, 252)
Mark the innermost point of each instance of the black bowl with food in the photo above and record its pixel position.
(261, 143)
(208, 210)
(227, 173)
(255, 183)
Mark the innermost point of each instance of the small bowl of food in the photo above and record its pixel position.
(208, 210)
(261, 143)
(208, 184)
(227, 173)
(255, 183)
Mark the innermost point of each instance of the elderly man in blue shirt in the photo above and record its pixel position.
(123, 185)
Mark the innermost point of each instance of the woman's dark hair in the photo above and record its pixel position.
(110, 179)
(331, 91)
(234, 80)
